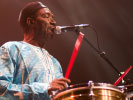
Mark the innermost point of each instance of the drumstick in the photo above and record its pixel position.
(123, 75)
(74, 54)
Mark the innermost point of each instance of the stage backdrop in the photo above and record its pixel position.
(113, 21)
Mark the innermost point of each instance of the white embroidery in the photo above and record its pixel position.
(47, 63)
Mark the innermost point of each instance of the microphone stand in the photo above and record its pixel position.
(102, 55)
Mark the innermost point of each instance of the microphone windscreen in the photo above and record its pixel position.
(57, 30)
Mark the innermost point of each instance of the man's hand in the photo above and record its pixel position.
(58, 84)
(20, 95)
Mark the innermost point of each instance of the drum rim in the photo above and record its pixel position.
(95, 85)
(84, 86)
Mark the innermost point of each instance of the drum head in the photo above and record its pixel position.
(99, 91)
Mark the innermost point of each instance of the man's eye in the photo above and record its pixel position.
(45, 15)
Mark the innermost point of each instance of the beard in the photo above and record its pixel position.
(44, 31)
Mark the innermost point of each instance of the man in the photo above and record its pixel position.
(27, 70)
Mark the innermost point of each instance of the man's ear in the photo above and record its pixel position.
(30, 21)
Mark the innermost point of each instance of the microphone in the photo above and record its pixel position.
(60, 29)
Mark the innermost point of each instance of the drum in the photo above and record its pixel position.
(128, 90)
(129, 95)
(90, 91)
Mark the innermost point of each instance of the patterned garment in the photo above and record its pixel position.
(23, 63)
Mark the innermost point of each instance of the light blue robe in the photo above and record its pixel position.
(23, 63)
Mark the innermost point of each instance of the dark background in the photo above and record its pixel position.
(113, 21)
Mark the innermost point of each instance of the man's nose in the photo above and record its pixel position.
(53, 22)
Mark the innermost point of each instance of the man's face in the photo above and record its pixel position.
(45, 23)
